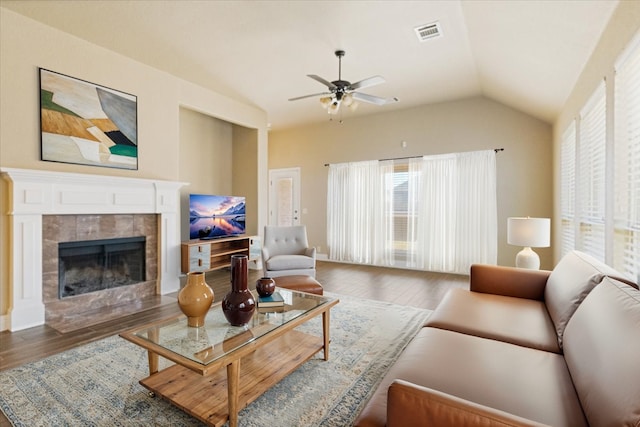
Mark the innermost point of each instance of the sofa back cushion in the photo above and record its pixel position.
(602, 352)
(569, 283)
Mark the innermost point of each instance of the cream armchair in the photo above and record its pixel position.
(286, 252)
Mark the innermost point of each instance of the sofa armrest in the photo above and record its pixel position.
(310, 252)
(508, 281)
(409, 404)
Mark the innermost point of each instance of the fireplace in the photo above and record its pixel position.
(93, 265)
(85, 207)
(96, 265)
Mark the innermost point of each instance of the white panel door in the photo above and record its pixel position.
(284, 196)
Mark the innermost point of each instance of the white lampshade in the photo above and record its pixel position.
(529, 232)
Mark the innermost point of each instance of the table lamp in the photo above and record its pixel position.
(528, 232)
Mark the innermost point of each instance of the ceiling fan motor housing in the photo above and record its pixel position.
(341, 88)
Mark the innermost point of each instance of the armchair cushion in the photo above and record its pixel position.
(286, 240)
(289, 262)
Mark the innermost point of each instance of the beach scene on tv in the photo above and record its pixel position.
(214, 217)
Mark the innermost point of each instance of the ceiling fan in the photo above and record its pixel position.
(343, 92)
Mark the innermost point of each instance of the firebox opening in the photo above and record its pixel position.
(94, 265)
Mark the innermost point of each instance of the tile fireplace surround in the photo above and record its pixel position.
(34, 194)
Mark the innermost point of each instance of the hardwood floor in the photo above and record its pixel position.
(404, 287)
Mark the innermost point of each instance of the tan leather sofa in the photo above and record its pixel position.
(521, 348)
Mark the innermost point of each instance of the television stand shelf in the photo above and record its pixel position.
(207, 255)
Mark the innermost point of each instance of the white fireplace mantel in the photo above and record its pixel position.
(36, 193)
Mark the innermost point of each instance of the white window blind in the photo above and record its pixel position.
(568, 189)
(626, 251)
(591, 175)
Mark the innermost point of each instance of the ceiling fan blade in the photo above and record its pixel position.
(323, 81)
(309, 96)
(371, 81)
(372, 99)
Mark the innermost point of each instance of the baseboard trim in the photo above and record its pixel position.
(4, 322)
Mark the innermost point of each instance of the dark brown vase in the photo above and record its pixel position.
(238, 305)
(195, 299)
(265, 286)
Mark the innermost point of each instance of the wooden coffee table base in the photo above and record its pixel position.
(211, 398)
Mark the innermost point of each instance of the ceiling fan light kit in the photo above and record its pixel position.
(342, 92)
(325, 101)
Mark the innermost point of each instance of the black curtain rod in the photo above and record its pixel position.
(417, 157)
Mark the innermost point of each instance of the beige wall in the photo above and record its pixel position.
(206, 147)
(245, 173)
(26, 45)
(524, 169)
(206, 150)
(217, 157)
(624, 24)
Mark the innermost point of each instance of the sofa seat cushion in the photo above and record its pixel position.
(602, 351)
(518, 321)
(290, 262)
(528, 383)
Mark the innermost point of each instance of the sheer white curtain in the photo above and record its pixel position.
(357, 203)
(476, 211)
(439, 212)
(450, 219)
(416, 254)
(456, 207)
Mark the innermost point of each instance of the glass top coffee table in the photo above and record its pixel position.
(237, 362)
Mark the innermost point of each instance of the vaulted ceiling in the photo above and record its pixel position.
(526, 54)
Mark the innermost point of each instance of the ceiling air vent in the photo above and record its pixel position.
(428, 31)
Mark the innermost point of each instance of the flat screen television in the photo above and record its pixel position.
(212, 217)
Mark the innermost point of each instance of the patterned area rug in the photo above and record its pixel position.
(97, 384)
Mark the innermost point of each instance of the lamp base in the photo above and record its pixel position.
(527, 258)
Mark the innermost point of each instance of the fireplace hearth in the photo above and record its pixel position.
(94, 265)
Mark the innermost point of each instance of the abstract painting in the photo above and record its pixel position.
(88, 124)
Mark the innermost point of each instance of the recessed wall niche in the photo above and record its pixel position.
(217, 157)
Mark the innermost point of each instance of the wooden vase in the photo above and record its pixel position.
(195, 299)
(238, 305)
